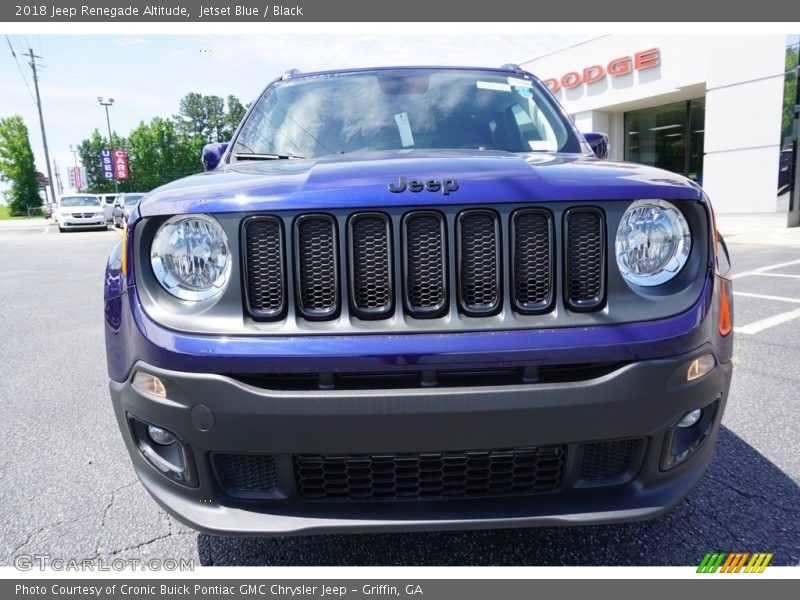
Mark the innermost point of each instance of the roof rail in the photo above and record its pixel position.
(512, 67)
(289, 73)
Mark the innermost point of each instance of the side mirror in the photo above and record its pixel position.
(598, 142)
(212, 154)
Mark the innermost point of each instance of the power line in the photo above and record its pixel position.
(33, 65)
(21, 72)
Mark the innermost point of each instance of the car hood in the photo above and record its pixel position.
(362, 180)
(80, 209)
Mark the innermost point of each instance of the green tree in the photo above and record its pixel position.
(17, 165)
(789, 91)
(206, 117)
(234, 115)
(159, 152)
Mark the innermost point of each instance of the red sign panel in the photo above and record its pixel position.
(623, 65)
(120, 164)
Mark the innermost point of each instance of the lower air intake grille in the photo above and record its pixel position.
(606, 460)
(430, 475)
(585, 260)
(246, 474)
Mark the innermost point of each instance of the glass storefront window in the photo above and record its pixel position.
(669, 137)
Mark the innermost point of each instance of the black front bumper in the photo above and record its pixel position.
(639, 401)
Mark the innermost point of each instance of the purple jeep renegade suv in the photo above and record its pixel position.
(418, 298)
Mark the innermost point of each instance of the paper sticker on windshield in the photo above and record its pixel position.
(516, 82)
(490, 85)
(541, 146)
(404, 127)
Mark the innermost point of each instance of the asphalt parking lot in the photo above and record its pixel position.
(67, 488)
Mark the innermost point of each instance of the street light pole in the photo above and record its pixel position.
(108, 103)
(74, 153)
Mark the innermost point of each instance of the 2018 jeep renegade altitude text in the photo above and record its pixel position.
(415, 298)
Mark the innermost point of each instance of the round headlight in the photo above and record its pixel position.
(653, 242)
(190, 257)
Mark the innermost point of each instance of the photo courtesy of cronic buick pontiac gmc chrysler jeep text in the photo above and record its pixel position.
(418, 298)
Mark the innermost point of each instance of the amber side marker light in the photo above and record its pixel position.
(149, 383)
(725, 326)
(125, 249)
(700, 366)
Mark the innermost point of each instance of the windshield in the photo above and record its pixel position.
(80, 201)
(133, 200)
(404, 109)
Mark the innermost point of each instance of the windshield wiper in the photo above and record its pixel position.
(263, 156)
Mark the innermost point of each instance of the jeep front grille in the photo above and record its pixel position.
(422, 264)
(316, 266)
(265, 266)
(585, 260)
(532, 260)
(479, 264)
(371, 280)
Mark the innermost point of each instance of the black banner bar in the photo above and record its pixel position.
(261, 11)
(729, 587)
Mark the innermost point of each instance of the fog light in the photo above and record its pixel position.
(149, 383)
(700, 366)
(165, 452)
(164, 437)
(690, 419)
(687, 436)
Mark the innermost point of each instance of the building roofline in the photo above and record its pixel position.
(567, 47)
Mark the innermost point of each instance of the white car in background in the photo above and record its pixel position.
(81, 211)
(123, 206)
(108, 205)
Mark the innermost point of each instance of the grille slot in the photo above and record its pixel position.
(317, 266)
(430, 475)
(265, 267)
(246, 475)
(478, 243)
(371, 278)
(608, 460)
(424, 254)
(532, 260)
(585, 259)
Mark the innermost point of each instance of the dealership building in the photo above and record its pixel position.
(709, 107)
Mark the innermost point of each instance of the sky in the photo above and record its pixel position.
(147, 75)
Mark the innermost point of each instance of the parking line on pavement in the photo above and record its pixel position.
(767, 297)
(762, 270)
(768, 322)
(786, 275)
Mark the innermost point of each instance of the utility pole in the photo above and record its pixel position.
(108, 103)
(33, 58)
(58, 178)
(74, 153)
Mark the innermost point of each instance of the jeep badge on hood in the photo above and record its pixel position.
(446, 186)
